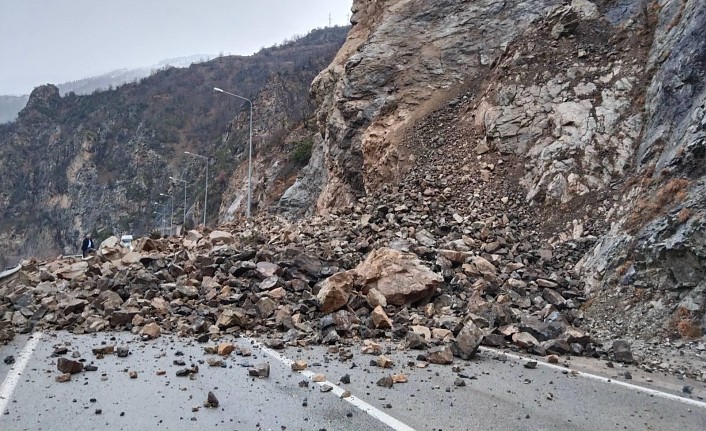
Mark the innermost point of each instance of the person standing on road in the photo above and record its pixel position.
(87, 245)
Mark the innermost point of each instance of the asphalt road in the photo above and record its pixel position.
(499, 392)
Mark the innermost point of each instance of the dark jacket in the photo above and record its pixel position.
(87, 243)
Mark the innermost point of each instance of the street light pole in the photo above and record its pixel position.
(171, 214)
(162, 229)
(205, 200)
(183, 181)
(161, 205)
(218, 90)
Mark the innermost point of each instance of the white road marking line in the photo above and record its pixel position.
(13, 377)
(338, 391)
(599, 378)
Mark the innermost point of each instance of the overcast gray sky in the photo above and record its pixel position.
(54, 41)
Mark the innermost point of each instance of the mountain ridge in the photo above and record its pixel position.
(11, 105)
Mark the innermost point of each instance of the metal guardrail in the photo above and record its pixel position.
(9, 271)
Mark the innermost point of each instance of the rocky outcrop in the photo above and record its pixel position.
(656, 250)
(298, 200)
(381, 82)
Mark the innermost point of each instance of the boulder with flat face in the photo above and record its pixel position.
(380, 318)
(467, 341)
(336, 290)
(400, 277)
(68, 366)
(220, 237)
(231, 316)
(71, 271)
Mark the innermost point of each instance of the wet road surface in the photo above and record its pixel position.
(498, 392)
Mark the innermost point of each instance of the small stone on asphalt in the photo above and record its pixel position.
(211, 400)
(62, 378)
(260, 370)
(385, 382)
(318, 378)
(299, 365)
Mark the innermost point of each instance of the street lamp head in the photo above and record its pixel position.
(186, 152)
(162, 194)
(217, 90)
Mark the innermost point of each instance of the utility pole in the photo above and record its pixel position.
(183, 181)
(329, 20)
(218, 90)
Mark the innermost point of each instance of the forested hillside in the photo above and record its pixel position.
(97, 163)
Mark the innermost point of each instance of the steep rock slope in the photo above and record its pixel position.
(593, 111)
(650, 268)
(401, 60)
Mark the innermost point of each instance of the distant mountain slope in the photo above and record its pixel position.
(10, 106)
(119, 77)
(77, 164)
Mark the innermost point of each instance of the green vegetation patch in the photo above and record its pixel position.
(302, 152)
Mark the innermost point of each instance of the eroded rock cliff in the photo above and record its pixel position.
(593, 111)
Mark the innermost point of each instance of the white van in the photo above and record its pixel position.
(126, 241)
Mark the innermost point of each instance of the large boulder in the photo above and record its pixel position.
(71, 271)
(221, 237)
(400, 277)
(131, 258)
(335, 291)
(111, 249)
(110, 242)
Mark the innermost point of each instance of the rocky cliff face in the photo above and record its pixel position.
(402, 60)
(654, 255)
(592, 111)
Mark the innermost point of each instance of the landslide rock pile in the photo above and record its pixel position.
(425, 278)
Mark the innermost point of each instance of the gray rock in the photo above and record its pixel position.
(622, 352)
(211, 400)
(122, 351)
(260, 370)
(385, 382)
(415, 341)
(466, 343)
(187, 291)
(556, 347)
